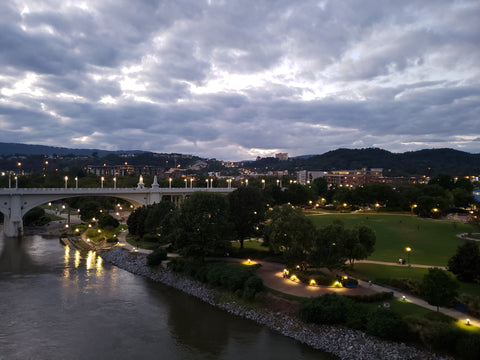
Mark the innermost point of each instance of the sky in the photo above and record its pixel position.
(234, 80)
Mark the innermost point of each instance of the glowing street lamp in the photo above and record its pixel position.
(186, 183)
(263, 183)
(169, 183)
(408, 249)
(66, 181)
(115, 182)
(206, 180)
(76, 182)
(102, 180)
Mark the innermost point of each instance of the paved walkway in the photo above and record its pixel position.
(272, 276)
(397, 264)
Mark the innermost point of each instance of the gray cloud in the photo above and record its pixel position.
(236, 79)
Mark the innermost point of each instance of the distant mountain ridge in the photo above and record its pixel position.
(412, 163)
(8, 149)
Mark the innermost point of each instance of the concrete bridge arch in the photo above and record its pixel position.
(16, 202)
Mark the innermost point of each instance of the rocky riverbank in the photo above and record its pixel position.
(342, 342)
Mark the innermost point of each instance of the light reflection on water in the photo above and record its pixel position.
(60, 303)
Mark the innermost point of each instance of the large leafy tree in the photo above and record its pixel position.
(290, 232)
(438, 288)
(158, 217)
(201, 225)
(466, 262)
(327, 247)
(247, 211)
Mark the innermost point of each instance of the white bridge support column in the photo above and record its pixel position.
(13, 224)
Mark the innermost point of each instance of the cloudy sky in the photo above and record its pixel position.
(238, 79)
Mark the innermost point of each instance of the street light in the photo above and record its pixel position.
(114, 182)
(206, 180)
(169, 183)
(102, 180)
(263, 183)
(76, 182)
(66, 181)
(186, 183)
(408, 249)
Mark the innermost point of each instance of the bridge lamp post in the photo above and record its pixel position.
(76, 182)
(263, 183)
(114, 182)
(169, 183)
(186, 183)
(191, 183)
(246, 182)
(102, 179)
(206, 180)
(211, 183)
(16, 181)
(66, 181)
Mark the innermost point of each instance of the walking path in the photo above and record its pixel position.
(272, 276)
(397, 264)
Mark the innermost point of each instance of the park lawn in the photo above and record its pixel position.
(375, 272)
(147, 245)
(250, 244)
(433, 242)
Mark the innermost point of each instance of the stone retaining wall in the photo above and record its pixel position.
(344, 343)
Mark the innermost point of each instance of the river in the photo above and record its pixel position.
(59, 303)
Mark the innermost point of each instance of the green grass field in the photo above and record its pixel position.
(432, 242)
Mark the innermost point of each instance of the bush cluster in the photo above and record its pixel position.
(409, 285)
(305, 276)
(238, 279)
(337, 309)
(157, 256)
(435, 331)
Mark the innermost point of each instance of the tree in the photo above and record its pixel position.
(466, 262)
(107, 221)
(291, 233)
(327, 247)
(201, 225)
(320, 186)
(438, 288)
(158, 217)
(247, 211)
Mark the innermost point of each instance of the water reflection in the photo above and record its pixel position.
(71, 305)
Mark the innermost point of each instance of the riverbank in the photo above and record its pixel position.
(345, 343)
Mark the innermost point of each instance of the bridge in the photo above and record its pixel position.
(16, 202)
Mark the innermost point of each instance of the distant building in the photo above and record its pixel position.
(122, 170)
(281, 156)
(305, 177)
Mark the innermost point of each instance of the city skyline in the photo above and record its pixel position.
(236, 80)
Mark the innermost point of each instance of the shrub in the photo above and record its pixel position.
(253, 286)
(468, 346)
(349, 282)
(326, 309)
(381, 296)
(472, 302)
(409, 285)
(357, 316)
(388, 325)
(156, 257)
(150, 238)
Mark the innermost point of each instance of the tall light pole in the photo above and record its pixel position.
(102, 179)
(408, 249)
(246, 182)
(66, 181)
(76, 182)
(191, 182)
(114, 182)
(211, 183)
(169, 183)
(186, 183)
(263, 183)
(206, 180)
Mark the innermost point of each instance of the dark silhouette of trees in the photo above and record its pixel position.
(438, 288)
(466, 262)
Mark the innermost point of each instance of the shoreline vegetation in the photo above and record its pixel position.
(342, 342)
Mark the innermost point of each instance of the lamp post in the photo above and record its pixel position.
(263, 183)
(211, 183)
(206, 180)
(66, 181)
(246, 182)
(16, 181)
(408, 249)
(102, 179)
(114, 182)
(169, 183)
(76, 182)
(186, 183)
(191, 183)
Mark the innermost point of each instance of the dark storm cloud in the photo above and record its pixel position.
(234, 79)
